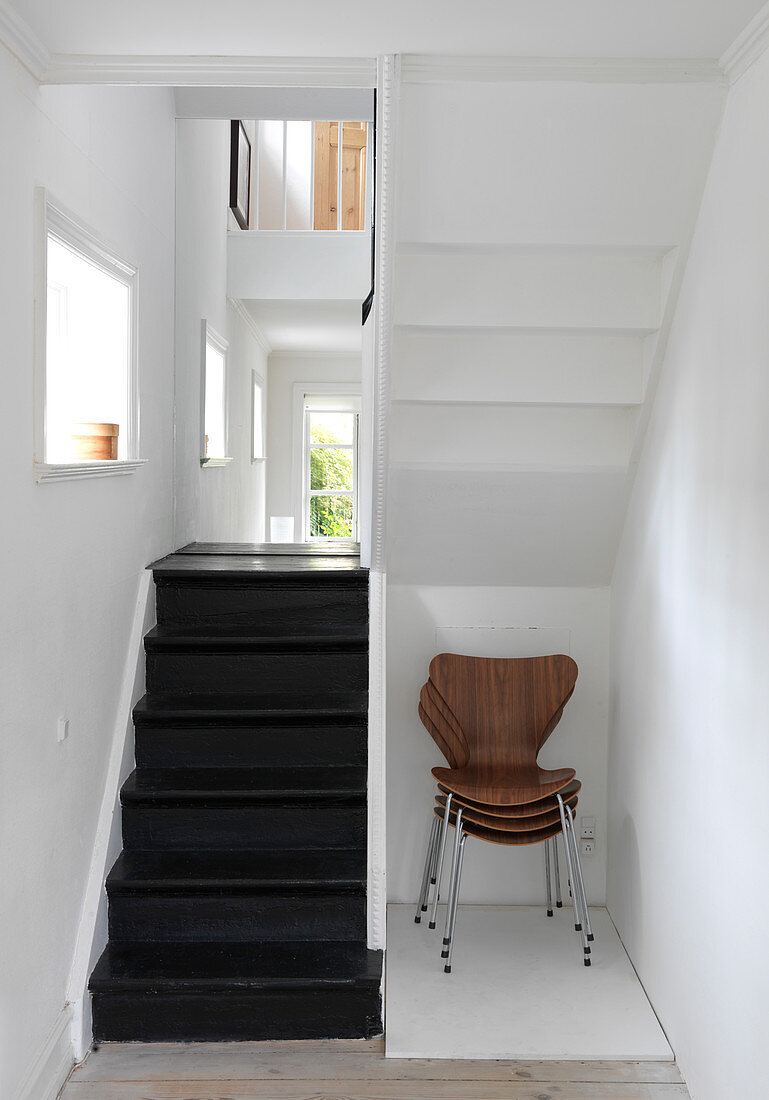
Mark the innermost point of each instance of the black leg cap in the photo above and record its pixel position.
(559, 905)
(424, 908)
(447, 939)
(587, 950)
(431, 924)
(590, 937)
(447, 970)
(587, 962)
(432, 882)
(577, 927)
(550, 912)
(445, 954)
(417, 920)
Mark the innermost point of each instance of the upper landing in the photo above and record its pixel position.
(269, 559)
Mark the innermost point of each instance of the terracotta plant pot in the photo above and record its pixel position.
(95, 441)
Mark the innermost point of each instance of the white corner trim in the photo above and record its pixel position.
(75, 471)
(108, 820)
(429, 69)
(22, 41)
(251, 324)
(387, 110)
(747, 47)
(51, 1065)
(220, 71)
(388, 84)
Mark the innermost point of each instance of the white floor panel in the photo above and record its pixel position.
(518, 989)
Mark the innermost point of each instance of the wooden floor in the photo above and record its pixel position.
(350, 1070)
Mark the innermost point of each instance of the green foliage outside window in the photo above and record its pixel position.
(330, 468)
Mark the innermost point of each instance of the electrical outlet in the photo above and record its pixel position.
(587, 847)
(62, 729)
(587, 831)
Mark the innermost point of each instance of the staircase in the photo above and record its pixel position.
(237, 909)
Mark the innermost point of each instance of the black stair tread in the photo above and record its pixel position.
(149, 784)
(264, 568)
(248, 639)
(230, 706)
(188, 968)
(304, 869)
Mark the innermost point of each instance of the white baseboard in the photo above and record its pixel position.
(51, 1065)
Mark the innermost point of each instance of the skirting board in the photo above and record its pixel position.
(52, 1064)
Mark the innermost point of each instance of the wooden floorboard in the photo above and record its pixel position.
(368, 1090)
(350, 1070)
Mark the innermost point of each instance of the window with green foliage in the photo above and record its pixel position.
(332, 443)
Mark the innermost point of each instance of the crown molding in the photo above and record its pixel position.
(251, 324)
(217, 71)
(747, 47)
(22, 41)
(434, 69)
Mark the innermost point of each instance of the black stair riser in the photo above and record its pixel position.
(348, 1013)
(249, 747)
(237, 918)
(257, 827)
(265, 607)
(303, 674)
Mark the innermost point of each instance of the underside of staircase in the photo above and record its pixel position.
(237, 909)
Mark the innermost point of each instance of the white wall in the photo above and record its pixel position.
(72, 552)
(571, 620)
(287, 369)
(689, 819)
(222, 504)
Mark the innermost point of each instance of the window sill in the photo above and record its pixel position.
(215, 461)
(74, 471)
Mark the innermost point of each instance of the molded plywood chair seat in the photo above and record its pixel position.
(490, 717)
(506, 710)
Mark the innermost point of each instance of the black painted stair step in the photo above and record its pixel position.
(194, 744)
(220, 669)
(203, 967)
(247, 639)
(252, 707)
(267, 607)
(176, 786)
(305, 871)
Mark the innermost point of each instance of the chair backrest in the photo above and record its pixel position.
(507, 707)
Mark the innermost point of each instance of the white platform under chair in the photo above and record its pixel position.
(517, 990)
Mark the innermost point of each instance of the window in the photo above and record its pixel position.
(331, 472)
(87, 394)
(257, 417)
(213, 399)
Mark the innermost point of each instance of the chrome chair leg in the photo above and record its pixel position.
(580, 879)
(454, 861)
(454, 902)
(547, 879)
(558, 902)
(429, 860)
(441, 854)
(565, 830)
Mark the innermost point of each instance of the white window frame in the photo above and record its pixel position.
(209, 335)
(55, 220)
(258, 380)
(310, 493)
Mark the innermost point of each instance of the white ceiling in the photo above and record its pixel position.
(309, 326)
(343, 28)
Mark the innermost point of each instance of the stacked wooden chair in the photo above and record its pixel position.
(490, 717)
